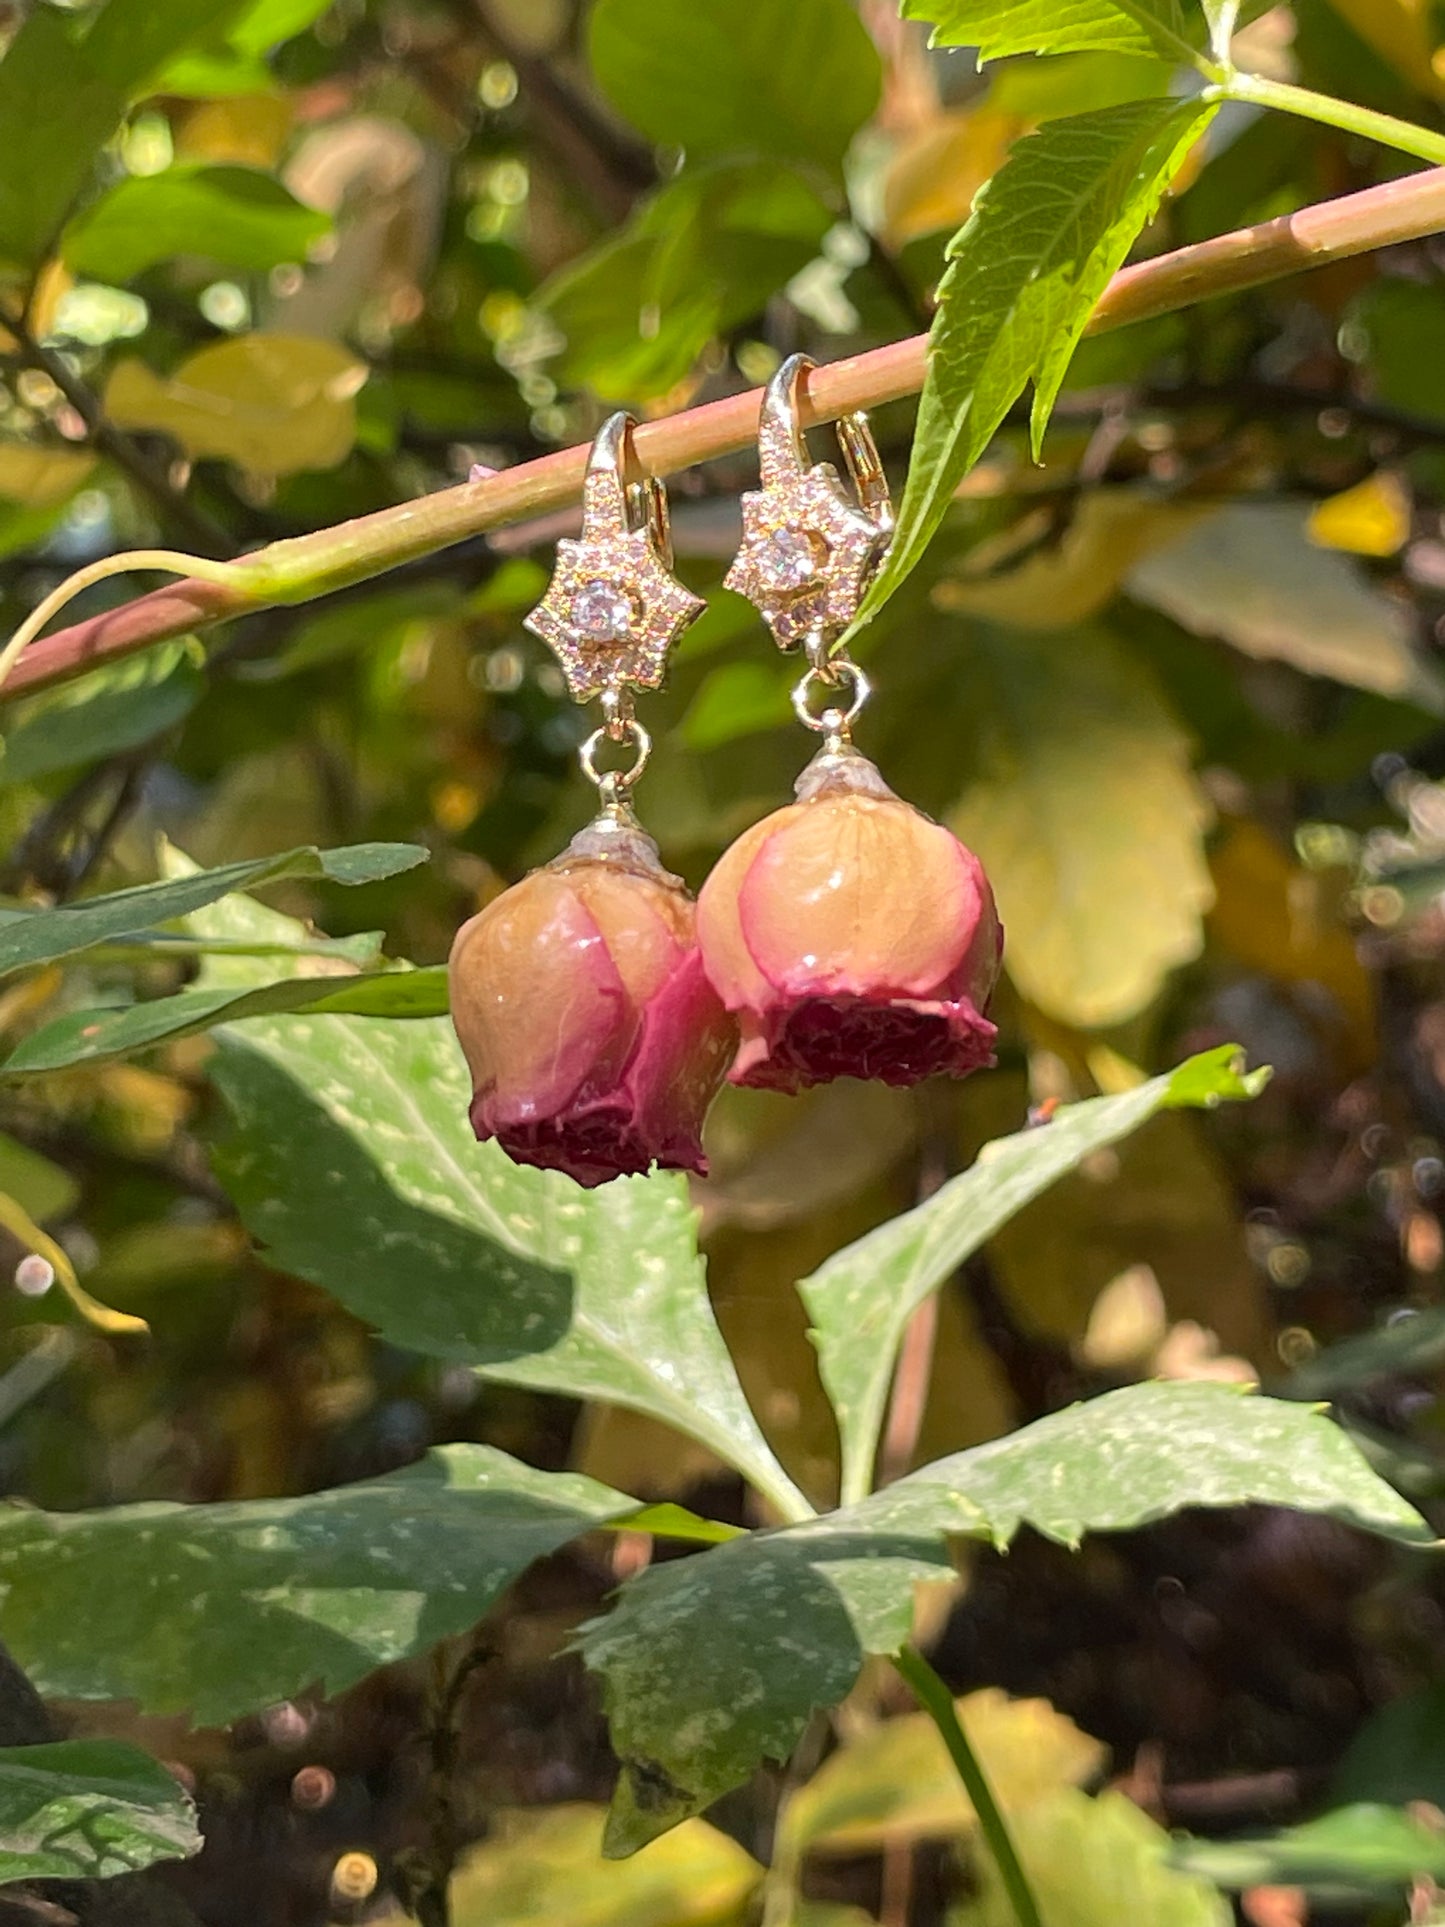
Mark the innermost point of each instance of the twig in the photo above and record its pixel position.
(307, 566)
(936, 1700)
(427, 1875)
(188, 522)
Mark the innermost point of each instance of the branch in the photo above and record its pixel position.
(189, 523)
(307, 566)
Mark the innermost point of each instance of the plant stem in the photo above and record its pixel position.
(1402, 135)
(304, 567)
(936, 1700)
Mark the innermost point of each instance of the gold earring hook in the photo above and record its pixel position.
(619, 493)
(783, 453)
(810, 544)
(613, 609)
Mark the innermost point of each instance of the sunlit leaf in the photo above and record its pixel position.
(1095, 1863)
(234, 216)
(790, 79)
(1045, 236)
(1250, 574)
(862, 1299)
(221, 1609)
(272, 403)
(90, 1036)
(1077, 576)
(63, 92)
(1002, 27)
(352, 1160)
(42, 477)
(89, 1809)
(706, 252)
(36, 936)
(538, 1867)
(1355, 1851)
(713, 1663)
(1080, 801)
(896, 1782)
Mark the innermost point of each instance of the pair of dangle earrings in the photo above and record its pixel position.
(845, 935)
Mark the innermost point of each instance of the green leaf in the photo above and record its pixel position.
(234, 216)
(62, 96)
(704, 254)
(1398, 1755)
(38, 936)
(713, 1663)
(862, 1298)
(219, 1609)
(110, 710)
(352, 1159)
(790, 79)
(1095, 1863)
(1045, 235)
(41, 1189)
(91, 1036)
(1002, 27)
(1357, 1851)
(1082, 805)
(87, 1810)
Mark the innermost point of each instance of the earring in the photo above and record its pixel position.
(850, 934)
(593, 1036)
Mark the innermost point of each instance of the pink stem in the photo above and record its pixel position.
(312, 565)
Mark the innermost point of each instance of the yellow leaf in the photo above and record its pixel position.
(545, 1869)
(1080, 574)
(52, 284)
(1275, 917)
(271, 403)
(246, 130)
(937, 170)
(1373, 518)
(1095, 1863)
(1127, 1324)
(895, 1783)
(1402, 34)
(1082, 805)
(41, 477)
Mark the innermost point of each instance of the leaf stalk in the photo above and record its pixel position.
(936, 1700)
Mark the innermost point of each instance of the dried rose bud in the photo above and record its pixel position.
(595, 1040)
(852, 936)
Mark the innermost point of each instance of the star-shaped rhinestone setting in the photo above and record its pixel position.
(807, 554)
(612, 611)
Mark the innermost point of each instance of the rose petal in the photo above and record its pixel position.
(730, 963)
(538, 1004)
(858, 895)
(687, 1038)
(647, 926)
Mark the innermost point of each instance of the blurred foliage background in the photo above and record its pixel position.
(1180, 687)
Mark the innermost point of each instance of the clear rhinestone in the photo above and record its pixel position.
(602, 613)
(787, 560)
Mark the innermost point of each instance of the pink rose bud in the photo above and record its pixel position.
(853, 937)
(595, 1040)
